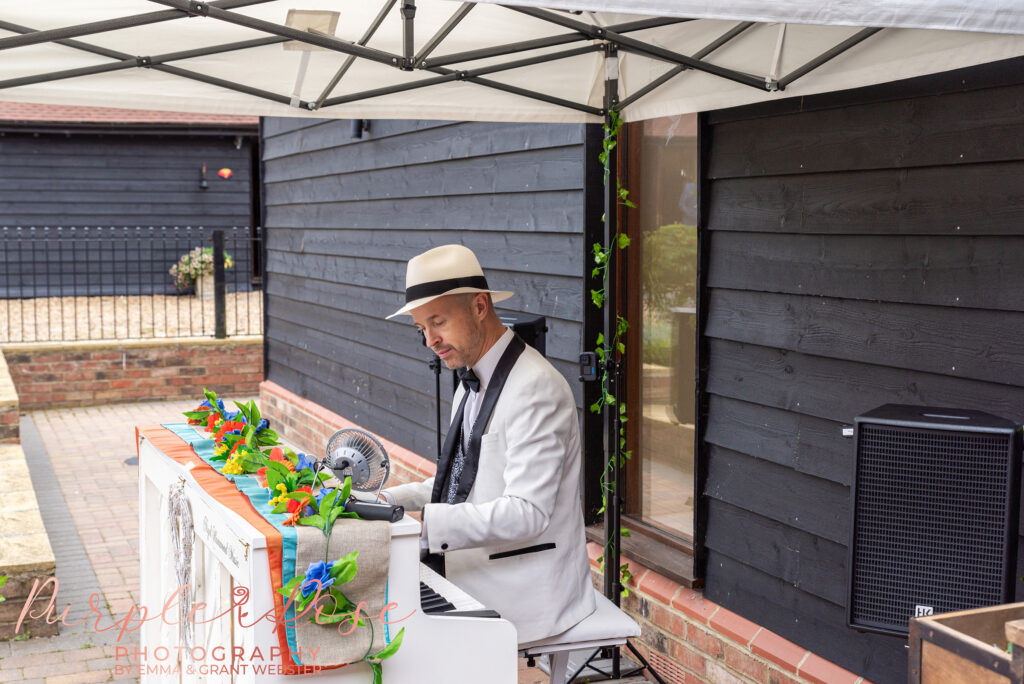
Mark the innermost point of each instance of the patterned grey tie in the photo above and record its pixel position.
(456, 473)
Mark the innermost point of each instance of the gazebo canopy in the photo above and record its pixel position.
(526, 60)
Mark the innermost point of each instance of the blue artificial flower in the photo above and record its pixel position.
(305, 462)
(231, 415)
(324, 491)
(309, 511)
(318, 571)
(235, 432)
(206, 403)
(263, 424)
(220, 405)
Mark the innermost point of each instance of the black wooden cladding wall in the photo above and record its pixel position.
(88, 179)
(344, 215)
(865, 248)
(120, 208)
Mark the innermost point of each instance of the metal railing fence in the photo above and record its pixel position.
(97, 283)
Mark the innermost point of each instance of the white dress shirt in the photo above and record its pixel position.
(483, 369)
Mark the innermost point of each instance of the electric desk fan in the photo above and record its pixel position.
(355, 453)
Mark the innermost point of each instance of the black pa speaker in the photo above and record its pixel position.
(532, 328)
(935, 504)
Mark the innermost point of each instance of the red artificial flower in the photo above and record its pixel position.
(198, 421)
(296, 507)
(227, 427)
(305, 488)
(210, 420)
(276, 454)
(294, 504)
(262, 475)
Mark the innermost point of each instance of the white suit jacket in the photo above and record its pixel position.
(517, 543)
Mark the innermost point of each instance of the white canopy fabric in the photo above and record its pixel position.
(709, 54)
(996, 16)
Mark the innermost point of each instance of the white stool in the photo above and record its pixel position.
(606, 626)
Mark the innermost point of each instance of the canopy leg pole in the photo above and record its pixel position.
(408, 14)
(611, 471)
(613, 478)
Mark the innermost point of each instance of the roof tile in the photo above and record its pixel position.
(24, 112)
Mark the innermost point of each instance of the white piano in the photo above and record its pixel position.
(439, 645)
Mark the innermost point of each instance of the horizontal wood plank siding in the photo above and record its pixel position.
(87, 213)
(88, 179)
(344, 216)
(862, 252)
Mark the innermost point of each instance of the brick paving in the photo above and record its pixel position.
(92, 518)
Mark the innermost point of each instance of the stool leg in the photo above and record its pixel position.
(559, 662)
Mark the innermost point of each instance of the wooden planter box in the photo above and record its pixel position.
(968, 646)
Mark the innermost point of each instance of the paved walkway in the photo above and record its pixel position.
(87, 486)
(88, 496)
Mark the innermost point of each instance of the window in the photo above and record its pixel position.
(661, 175)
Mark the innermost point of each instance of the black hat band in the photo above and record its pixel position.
(439, 287)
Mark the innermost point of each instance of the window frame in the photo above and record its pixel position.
(681, 559)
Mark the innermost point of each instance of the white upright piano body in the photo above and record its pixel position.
(228, 552)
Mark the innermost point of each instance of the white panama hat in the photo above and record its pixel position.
(444, 270)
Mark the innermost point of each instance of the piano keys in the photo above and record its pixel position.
(441, 598)
(229, 553)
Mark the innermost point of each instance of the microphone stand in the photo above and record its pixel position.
(435, 365)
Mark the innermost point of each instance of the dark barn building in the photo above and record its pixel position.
(857, 248)
(127, 183)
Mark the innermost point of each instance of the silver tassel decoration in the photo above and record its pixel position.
(182, 536)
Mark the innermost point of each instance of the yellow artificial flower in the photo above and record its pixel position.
(232, 467)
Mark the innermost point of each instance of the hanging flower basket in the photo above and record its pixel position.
(204, 286)
(195, 269)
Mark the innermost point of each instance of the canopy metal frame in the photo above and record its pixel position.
(610, 39)
(437, 69)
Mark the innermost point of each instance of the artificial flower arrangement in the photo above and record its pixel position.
(247, 446)
(195, 264)
(324, 578)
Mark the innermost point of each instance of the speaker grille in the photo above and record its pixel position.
(930, 527)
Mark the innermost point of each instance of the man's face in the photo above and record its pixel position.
(452, 329)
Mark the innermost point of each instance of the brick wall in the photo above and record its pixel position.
(686, 637)
(307, 426)
(86, 373)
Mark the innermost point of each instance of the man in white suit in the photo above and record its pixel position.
(504, 507)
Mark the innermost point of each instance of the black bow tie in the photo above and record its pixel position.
(469, 379)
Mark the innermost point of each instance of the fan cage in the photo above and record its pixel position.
(370, 448)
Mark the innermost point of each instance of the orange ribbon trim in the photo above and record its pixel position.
(225, 492)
